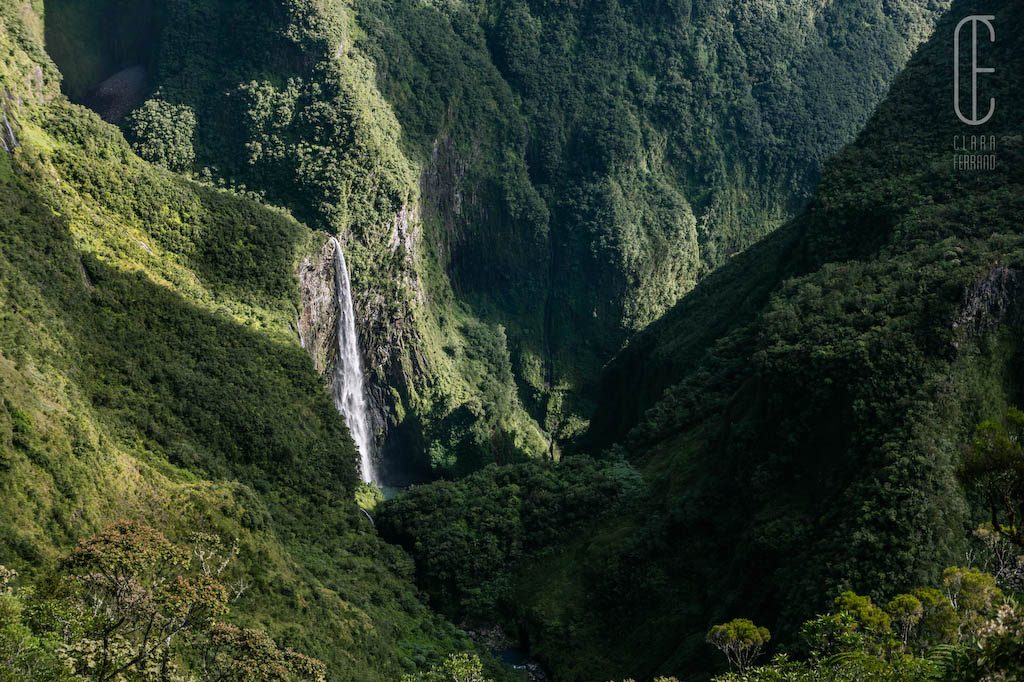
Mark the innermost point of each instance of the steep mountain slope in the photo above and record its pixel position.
(520, 185)
(148, 370)
(798, 418)
(809, 443)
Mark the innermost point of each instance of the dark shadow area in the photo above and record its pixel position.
(106, 51)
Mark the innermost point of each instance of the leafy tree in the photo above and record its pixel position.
(740, 640)
(962, 633)
(973, 594)
(849, 667)
(24, 656)
(870, 617)
(939, 620)
(906, 612)
(856, 624)
(141, 597)
(994, 467)
(831, 634)
(460, 667)
(162, 133)
(1002, 558)
(234, 654)
(129, 605)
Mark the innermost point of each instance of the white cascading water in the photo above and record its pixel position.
(347, 386)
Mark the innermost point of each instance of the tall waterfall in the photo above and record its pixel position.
(347, 385)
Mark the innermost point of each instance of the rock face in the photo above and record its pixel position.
(441, 186)
(318, 315)
(113, 98)
(993, 301)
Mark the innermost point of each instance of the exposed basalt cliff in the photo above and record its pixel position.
(117, 95)
(318, 331)
(996, 299)
(441, 185)
(318, 312)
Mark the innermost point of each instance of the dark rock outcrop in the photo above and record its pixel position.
(114, 97)
(318, 314)
(995, 300)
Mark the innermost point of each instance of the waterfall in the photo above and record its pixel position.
(347, 384)
(7, 137)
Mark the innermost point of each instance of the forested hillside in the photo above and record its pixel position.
(149, 371)
(799, 419)
(518, 185)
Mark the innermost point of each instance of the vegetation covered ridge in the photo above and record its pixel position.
(796, 423)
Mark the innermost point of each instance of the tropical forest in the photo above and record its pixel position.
(511, 340)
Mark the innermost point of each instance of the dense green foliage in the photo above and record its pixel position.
(456, 668)
(620, 149)
(830, 423)
(967, 630)
(469, 537)
(994, 467)
(614, 151)
(162, 133)
(127, 605)
(518, 187)
(739, 640)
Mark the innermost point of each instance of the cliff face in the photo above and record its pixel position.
(994, 300)
(391, 365)
(318, 312)
(581, 169)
